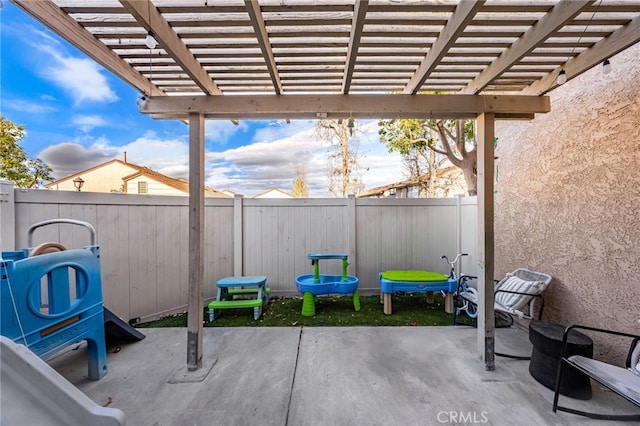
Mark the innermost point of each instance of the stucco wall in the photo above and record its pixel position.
(568, 200)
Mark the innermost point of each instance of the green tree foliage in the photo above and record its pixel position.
(299, 187)
(343, 156)
(16, 167)
(427, 146)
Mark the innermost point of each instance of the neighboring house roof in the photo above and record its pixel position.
(386, 189)
(99, 166)
(273, 193)
(179, 184)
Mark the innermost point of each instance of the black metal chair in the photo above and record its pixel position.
(624, 381)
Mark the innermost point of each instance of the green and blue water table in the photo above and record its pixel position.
(416, 281)
(313, 285)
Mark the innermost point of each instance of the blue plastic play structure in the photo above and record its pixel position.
(52, 297)
(313, 285)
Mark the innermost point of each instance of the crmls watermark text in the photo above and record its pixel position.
(469, 417)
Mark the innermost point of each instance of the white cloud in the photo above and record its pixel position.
(167, 156)
(271, 162)
(42, 37)
(254, 168)
(88, 122)
(81, 77)
(70, 157)
(22, 105)
(104, 145)
(219, 131)
(248, 169)
(170, 157)
(278, 129)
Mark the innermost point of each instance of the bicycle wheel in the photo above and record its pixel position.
(472, 310)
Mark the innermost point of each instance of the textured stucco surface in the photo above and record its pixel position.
(568, 200)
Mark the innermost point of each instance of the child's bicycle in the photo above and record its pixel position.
(453, 276)
(452, 264)
(460, 302)
(463, 304)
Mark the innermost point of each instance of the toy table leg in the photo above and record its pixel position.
(448, 303)
(308, 304)
(387, 303)
(257, 311)
(214, 314)
(430, 297)
(356, 301)
(222, 294)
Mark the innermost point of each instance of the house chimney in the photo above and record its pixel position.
(124, 155)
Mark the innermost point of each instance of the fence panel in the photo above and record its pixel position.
(279, 233)
(144, 240)
(403, 233)
(469, 236)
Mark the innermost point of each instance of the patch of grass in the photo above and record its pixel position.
(409, 309)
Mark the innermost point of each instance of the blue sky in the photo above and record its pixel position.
(77, 114)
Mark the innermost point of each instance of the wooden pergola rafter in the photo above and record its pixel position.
(255, 40)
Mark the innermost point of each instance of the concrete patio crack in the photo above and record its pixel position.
(293, 380)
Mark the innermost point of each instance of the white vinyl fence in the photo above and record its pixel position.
(144, 239)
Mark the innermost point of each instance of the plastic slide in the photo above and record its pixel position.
(33, 393)
(118, 330)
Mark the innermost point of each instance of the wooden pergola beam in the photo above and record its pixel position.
(151, 19)
(359, 14)
(345, 106)
(460, 18)
(550, 23)
(500, 117)
(620, 40)
(260, 29)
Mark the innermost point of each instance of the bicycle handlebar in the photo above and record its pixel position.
(452, 263)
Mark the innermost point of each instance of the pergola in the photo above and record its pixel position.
(193, 60)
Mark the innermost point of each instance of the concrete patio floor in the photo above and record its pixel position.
(325, 376)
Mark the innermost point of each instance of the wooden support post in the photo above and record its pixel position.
(196, 242)
(486, 320)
